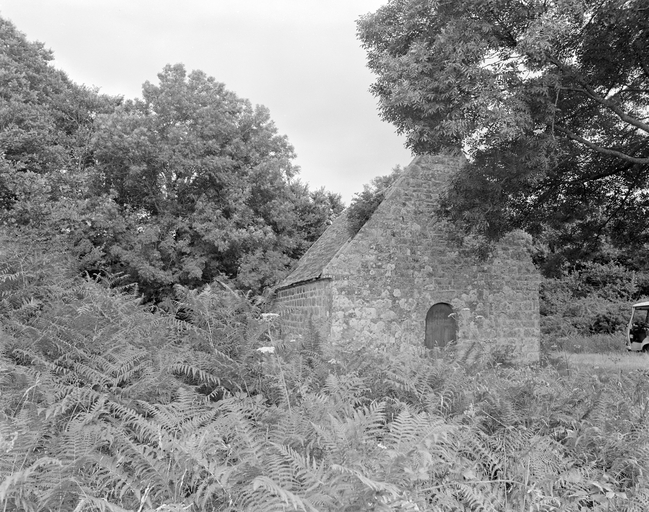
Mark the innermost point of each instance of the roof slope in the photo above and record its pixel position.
(312, 264)
(313, 261)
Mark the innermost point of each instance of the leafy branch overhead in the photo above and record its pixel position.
(550, 101)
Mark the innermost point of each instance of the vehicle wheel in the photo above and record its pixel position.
(645, 349)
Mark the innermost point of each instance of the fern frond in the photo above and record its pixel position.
(197, 374)
(92, 504)
(371, 420)
(307, 472)
(447, 399)
(287, 497)
(474, 445)
(145, 430)
(184, 415)
(476, 497)
(146, 464)
(16, 484)
(112, 477)
(547, 458)
(291, 429)
(408, 430)
(639, 502)
(380, 487)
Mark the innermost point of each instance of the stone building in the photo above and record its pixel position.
(398, 281)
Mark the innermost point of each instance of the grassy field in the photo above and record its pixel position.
(606, 352)
(617, 361)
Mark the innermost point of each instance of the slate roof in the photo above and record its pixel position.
(313, 262)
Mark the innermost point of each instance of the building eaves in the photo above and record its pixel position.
(313, 262)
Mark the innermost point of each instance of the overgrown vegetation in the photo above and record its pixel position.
(141, 371)
(107, 405)
(588, 308)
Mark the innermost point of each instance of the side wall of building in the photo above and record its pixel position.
(400, 264)
(305, 307)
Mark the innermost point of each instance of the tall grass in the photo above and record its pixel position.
(600, 362)
(592, 344)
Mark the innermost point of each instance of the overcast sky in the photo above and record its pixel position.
(299, 58)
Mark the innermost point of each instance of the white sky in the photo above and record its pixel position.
(299, 58)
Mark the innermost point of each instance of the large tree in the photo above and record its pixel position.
(46, 124)
(548, 99)
(41, 110)
(203, 186)
(186, 185)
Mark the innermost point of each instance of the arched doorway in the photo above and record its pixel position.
(441, 327)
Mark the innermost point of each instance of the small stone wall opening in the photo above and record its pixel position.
(441, 327)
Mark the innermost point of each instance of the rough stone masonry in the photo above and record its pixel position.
(378, 288)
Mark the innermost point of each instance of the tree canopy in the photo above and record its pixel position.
(188, 184)
(46, 120)
(208, 183)
(549, 100)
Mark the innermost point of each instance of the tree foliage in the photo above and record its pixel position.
(187, 185)
(591, 298)
(207, 184)
(45, 119)
(46, 122)
(365, 203)
(548, 99)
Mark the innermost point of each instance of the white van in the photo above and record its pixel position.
(637, 332)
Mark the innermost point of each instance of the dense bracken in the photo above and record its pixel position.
(136, 375)
(109, 405)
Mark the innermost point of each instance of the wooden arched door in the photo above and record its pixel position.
(441, 327)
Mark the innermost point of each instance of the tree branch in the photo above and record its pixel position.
(617, 110)
(588, 91)
(599, 149)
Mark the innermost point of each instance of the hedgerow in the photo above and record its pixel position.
(109, 405)
(588, 308)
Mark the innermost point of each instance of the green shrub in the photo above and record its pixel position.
(595, 299)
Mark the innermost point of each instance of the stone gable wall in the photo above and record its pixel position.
(304, 307)
(399, 265)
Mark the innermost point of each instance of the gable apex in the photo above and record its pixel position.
(433, 170)
(396, 281)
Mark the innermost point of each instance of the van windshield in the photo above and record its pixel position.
(640, 315)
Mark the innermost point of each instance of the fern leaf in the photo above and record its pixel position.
(382, 487)
(287, 497)
(97, 504)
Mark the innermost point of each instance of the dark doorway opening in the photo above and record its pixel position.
(441, 327)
